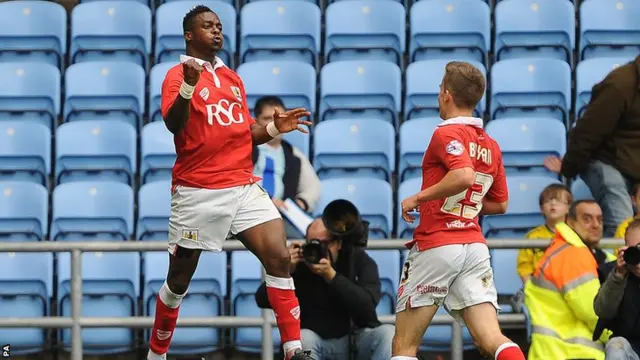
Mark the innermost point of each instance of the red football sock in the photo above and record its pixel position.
(283, 300)
(167, 308)
(509, 351)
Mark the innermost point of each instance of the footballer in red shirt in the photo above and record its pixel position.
(449, 263)
(214, 192)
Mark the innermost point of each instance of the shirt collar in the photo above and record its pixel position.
(463, 120)
(207, 65)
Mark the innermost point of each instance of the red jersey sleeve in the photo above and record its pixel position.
(499, 191)
(245, 103)
(170, 89)
(449, 149)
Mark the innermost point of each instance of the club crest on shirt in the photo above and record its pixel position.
(455, 147)
(204, 94)
(236, 91)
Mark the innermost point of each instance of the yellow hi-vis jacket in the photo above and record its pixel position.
(560, 299)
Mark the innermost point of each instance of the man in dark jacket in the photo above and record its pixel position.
(329, 300)
(604, 146)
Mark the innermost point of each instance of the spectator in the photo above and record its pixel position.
(285, 171)
(616, 303)
(604, 146)
(561, 292)
(554, 203)
(635, 198)
(329, 300)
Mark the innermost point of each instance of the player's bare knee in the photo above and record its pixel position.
(278, 264)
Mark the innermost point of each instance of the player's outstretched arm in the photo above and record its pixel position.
(282, 123)
(178, 113)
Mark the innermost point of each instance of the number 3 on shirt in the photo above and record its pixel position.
(452, 205)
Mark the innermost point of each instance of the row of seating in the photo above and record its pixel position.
(348, 89)
(126, 284)
(354, 29)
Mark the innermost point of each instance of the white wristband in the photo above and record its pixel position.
(186, 90)
(272, 130)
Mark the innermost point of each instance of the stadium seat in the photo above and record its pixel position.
(24, 211)
(292, 31)
(169, 39)
(230, 2)
(205, 298)
(526, 142)
(505, 276)
(360, 88)
(299, 140)
(535, 28)
(580, 190)
(88, 210)
(373, 198)
(158, 153)
(29, 92)
(110, 288)
(111, 30)
(293, 81)
(25, 151)
(26, 288)
(609, 28)
(33, 31)
(365, 30)
(246, 277)
(439, 337)
(524, 211)
(156, 78)
(414, 139)
(589, 73)
(543, 88)
(422, 81)
(105, 91)
(407, 188)
(389, 269)
(96, 150)
(450, 29)
(154, 206)
(354, 147)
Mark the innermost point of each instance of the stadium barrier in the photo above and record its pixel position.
(76, 322)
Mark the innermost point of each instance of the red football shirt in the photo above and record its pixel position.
(458, 143)
(214, 149)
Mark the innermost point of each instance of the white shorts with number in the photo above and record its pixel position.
(205, 218)
(456, 276)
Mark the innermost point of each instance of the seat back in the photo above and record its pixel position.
(580, 190)
(25, 151)
(154, 205)
(609, 29)
(28, 274)
(589, 73)
(156, 78)
(24, 211)
(158, 152)
(415, 136)
(505, 276)
(388, 262)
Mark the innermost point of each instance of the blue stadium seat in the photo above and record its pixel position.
(158, 153)
(24, 211)
(365, 29)
(154, 206)
(246, 277)
(535, 28)
(293, 81)
(291, 33)
(169, 39)
(25, 151)
(111, 30)
(156, 78)
(373, 198)
(505, 276)
(105, 90)
(580, 190)
(230, 2)
(609, 28)
(526, 142)
(589, 73)
(446, 29)
(423, 79)
(26, 288)
(414, 139)
(86, 210)
(439, 338)
(389, 269)
(523, 213)
(407, 188)
(543, 88)
(110, 288)
(96, 150)
(205, 298)
(30, 91)
(360, 88)
(299, 140)
(33, 31)
(354, 147)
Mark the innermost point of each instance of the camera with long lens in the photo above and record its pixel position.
(632, 255)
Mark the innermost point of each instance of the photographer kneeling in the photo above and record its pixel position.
(618, 301)
(337, 283)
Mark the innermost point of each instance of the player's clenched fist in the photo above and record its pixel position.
(191, 70)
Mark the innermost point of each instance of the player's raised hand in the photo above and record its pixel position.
(408, 205)
(291, 120)
(192, 71)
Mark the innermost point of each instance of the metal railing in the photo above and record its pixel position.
(76, 321)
